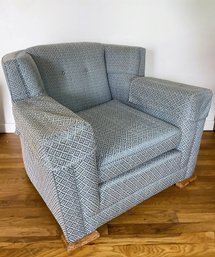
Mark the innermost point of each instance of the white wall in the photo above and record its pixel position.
(179, 35)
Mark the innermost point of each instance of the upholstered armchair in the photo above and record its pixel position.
(97, 136)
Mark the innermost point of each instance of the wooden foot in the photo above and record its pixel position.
(186, 182)
(83, 241)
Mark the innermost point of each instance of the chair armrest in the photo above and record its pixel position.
(62, 148)
(182, 105)
(42, 119)
(22, 75)
(170, 101)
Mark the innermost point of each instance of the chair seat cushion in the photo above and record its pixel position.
(126, 137)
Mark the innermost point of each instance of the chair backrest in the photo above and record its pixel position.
(78, 75)
(74, 74)
(123, 64)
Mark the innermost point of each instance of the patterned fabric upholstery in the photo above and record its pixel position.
(195, 148)
(127, 203)
(22, 76)
(128, 183)
(64, 148)
(95, 164)
(179, 104)
(123, 64)
(73, 74)
(126, 138)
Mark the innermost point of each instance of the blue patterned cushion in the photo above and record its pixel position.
(126, 138)
(74, 74)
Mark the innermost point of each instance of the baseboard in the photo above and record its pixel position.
(209, 125)
(7, 128)
(10, 127)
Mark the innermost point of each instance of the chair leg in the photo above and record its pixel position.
(83, 241)
(186, 182)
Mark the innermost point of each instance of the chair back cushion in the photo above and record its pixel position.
(74, 74)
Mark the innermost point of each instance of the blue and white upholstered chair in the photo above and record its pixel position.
(97, 136)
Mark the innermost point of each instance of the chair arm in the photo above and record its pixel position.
(182, 105)
(62, 149)
(173, 102)
(22, 75)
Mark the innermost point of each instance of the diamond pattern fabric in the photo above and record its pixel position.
(126, 138)
(92, 158)
(74, 74)
(64, 157)
(123, 64)
(179, 104)
(127, 203)
(146, 174)
(22, 76)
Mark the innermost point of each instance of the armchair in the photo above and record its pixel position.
(97, 136)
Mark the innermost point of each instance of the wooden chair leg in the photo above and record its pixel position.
(186, 182)
(83, 241)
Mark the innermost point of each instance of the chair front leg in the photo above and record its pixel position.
(186, 182)
(81, 242)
